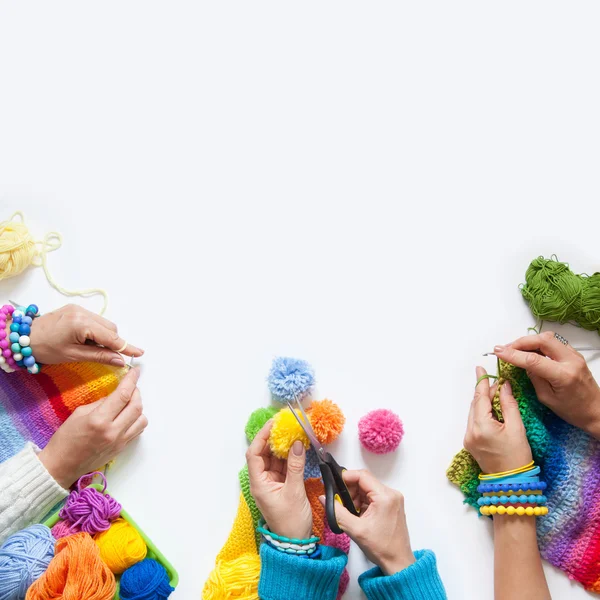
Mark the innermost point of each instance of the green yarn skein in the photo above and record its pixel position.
(555, 293)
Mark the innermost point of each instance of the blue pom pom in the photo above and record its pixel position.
(290, 378)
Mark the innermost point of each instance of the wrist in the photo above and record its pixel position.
(298, 531)
(56, 470)
(593, 425)
(398, 563)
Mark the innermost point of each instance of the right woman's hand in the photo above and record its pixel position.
(94, 434)
(496, 446)
(381, 531)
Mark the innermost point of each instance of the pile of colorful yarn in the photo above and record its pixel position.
(82, 556)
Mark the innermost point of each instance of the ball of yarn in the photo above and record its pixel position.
(146, 580)
(290, 378)
(63, 529)
(17, 247)
(380, 431)
(75, 572)
(24, 557)
(236, 578)
(90, 510)
(285, 431)
(121, 546)
(257, 420)
(555, 293)
(326, 419)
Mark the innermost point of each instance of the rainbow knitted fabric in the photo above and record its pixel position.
(33, 407)
(569, 536)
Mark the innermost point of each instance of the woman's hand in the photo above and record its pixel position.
(496, 446)
(561, 377)
(381, 531)
(278, 487)
(74, 334)
(94, 434)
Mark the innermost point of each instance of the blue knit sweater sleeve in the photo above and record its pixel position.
(420, 581)
(283, 576)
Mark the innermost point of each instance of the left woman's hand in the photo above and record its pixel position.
(74, 334)
(278, 487)
(496, 446)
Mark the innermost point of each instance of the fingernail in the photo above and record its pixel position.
(298, 447)
(499, 349)
(507, 387)
(117, 362)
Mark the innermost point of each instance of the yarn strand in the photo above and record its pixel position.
(18, 250)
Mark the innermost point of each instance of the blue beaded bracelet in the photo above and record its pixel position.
(515, 485)
(20, 328)
(513, 499)
(261, 529)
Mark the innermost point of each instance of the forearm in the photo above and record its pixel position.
(27, 492)
(518, 571)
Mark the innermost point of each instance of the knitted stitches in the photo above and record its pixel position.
(32, 408)
(569, 537)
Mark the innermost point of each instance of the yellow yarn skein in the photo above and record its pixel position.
(234, 579)
(121, 546)
(18, 250)
(285, 431)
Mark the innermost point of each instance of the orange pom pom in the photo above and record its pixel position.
(326, 419)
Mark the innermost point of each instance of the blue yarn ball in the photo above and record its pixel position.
(146, 580)
(24, 557)
(290, 378)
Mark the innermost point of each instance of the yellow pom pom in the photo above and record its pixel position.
(121, 546)
(236, 578)
(327, 420)
(285, 431)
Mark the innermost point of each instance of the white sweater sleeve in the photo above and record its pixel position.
(27, 491)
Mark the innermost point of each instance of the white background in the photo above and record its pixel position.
(358, 184)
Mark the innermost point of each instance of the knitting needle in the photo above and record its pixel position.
(580, 349)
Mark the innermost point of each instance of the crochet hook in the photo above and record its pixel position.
(579, 349)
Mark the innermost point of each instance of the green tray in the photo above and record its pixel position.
(153, 551)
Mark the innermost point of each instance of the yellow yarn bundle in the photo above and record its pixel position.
(18, 250)
(234, 579)
(121, 546)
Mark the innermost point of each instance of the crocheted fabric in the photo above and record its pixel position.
(33, 407)
(569, 536)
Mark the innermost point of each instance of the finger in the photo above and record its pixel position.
(542, 388)
(345, 519)
(481, 405)
(294, 478)
(535, 363)
(131, 413)
(136, 428)
(493, 391)
(545, 343)
(120, 398)
(110, 339)
(254, 454)
(508, 404)
(365, 480)
(97, 354)
(100, 319)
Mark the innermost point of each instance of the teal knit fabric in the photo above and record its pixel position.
(283, 576)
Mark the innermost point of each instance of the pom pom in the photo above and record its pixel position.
(24, 557)
(285, 431)
(146, 580)
(326, 419)
(236, 578)
(121, 546)
(290, 378)
(257, 420)
(380, 431)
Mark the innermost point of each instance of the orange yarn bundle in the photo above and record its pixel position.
(75, 573)
(327, 420)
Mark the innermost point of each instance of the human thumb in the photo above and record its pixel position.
(510, 408)
(295, 465)
(345, 519)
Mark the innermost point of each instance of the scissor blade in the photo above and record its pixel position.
(305, 424)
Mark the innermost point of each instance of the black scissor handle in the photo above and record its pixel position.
(335, 488)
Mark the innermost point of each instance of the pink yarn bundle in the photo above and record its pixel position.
(380, 431)
(63, 529)
(90, 510)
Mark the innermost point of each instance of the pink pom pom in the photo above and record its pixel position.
(380, 431)
(63, 529)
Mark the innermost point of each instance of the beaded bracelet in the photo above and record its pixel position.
(518, 471)
(530, 511)
(293, 546)
(7, 362)
(19, 337)
(508, 487)
(262, 528)
(514, 499)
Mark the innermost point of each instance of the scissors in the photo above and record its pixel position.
(333, 480)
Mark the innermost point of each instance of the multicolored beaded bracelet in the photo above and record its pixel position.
(19, 337)
(514, 499)
(507, 487)
(530, 511)
(7, 362)
(293, 546)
